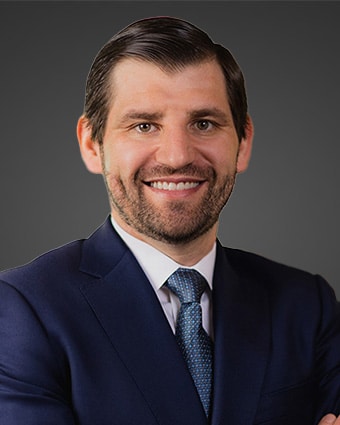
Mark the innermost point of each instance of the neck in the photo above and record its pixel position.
(186, 254)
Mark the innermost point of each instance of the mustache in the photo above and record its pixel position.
(188, 170)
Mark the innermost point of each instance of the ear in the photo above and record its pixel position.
(89, 149)
(245, 147)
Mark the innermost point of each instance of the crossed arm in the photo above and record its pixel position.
(19, 327)
(330, 420)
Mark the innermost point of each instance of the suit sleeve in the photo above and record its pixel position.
(32, 379)
(328, 352)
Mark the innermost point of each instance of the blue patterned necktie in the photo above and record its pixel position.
(194, 342)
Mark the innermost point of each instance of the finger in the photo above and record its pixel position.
(329, 420)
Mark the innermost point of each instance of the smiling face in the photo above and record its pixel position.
(170, 150)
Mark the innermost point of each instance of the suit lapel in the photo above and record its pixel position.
(128, 309)
(242, 336)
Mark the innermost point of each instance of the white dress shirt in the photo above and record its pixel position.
(158, 267)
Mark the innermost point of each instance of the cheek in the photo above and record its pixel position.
(124, 160)
(224, 159)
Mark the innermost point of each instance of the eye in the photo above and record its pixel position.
(145, 127)
(204, 125)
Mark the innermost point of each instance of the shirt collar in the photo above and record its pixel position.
(147, 256)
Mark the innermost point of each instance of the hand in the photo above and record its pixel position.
(330, 420)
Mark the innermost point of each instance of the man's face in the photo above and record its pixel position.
(170, 150)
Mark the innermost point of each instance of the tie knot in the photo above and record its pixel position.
(187, 284)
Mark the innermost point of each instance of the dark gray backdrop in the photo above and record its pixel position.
(285, 207)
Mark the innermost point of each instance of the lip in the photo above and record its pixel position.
(175, 187)
(172, 186)
(175, 180)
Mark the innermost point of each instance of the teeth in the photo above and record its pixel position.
(174, 186)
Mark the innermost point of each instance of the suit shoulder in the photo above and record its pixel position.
(53, 263)
(270, 273)
(244, 260)
(247, 262)
(285, 285)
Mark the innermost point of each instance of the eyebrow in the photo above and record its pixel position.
(210, 112)
(139, 115)
(195, 114)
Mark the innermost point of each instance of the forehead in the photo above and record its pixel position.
(134, 81)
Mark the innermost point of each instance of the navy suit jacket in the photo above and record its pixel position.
(84, 340)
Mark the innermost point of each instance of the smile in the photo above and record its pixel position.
(174, 186)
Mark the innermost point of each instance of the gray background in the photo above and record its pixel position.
(285, 207)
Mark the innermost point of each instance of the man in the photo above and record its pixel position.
(102, 331)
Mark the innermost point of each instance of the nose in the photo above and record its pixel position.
(176, 149)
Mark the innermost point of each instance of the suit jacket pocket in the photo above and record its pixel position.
(288, 406)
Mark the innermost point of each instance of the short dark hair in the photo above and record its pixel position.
(171, 44)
